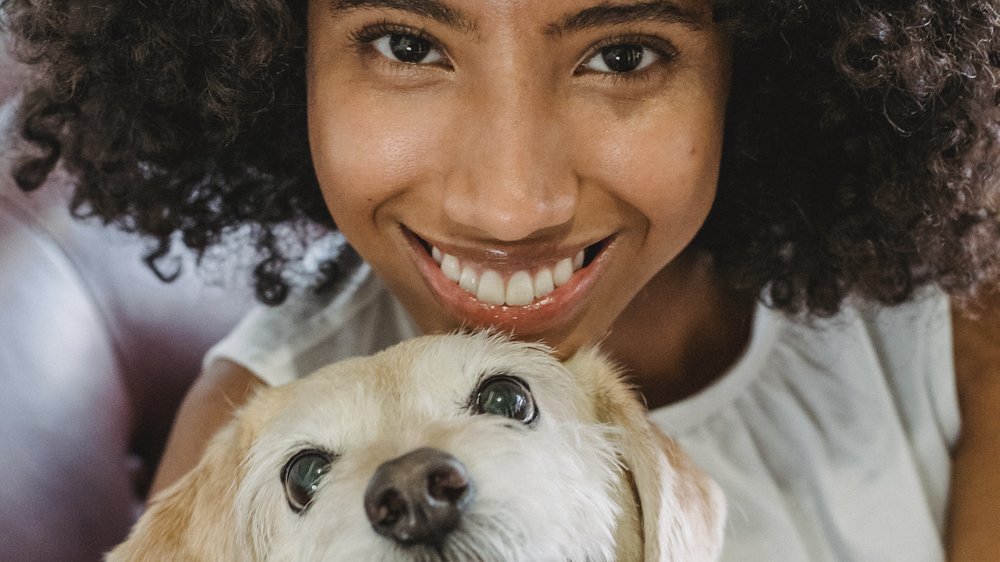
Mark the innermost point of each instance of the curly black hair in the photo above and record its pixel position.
(860, 155)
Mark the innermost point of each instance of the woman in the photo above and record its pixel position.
(641, 174)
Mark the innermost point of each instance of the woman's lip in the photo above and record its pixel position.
(560, 306)
(508, 259)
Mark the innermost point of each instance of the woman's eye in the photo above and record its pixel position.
(506, 396)
(621, 59)
(407, 48)
(301, 477)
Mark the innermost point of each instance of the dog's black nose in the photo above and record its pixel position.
(418, 497)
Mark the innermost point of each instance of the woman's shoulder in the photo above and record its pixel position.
(288, 341)
(815, 403)
(898, 351)
(905, 349)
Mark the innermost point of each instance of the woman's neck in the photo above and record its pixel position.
(682, 332)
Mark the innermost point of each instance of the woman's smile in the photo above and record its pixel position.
(525, 290)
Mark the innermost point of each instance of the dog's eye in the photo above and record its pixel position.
(506, 396)
(301, 476)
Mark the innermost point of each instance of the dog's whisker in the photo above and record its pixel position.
(462, 551)
(489, 539)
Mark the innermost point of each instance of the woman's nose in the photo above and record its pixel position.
(512, 175)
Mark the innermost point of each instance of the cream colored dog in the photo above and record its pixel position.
(444, 448)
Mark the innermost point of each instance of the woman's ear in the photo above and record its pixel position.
(193, 520)
(683, 511)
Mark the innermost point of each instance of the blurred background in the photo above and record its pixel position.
(95, 355)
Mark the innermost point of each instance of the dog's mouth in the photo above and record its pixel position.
(473, 541)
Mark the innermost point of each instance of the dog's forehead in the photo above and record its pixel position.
(441, 364)
(455, 360)
(426, 377)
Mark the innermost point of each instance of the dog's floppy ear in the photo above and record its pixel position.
(193, 519)
(682, 511)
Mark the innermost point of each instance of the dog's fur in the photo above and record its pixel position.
(590, 480)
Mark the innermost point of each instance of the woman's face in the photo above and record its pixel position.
(523, 164)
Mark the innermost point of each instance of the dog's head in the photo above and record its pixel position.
(440, 448)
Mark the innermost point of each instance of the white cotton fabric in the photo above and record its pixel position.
(831, 438)
(283, 343)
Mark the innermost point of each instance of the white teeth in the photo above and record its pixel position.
(469, 281)
(452, 270)
(543, 282)
(521, 289)
(562, 272)
(491, 289)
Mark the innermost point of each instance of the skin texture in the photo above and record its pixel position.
(974, 511)
(510, 146)
(210, 403)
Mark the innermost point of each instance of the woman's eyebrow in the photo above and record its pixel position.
(434, 9)
(614, 13)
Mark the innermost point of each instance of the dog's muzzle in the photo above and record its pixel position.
(418, 498)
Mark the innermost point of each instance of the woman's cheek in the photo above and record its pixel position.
(364, 155)
(666, 172)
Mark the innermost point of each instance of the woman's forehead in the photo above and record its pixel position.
(557, 16)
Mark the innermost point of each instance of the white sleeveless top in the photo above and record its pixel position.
(831, 439)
